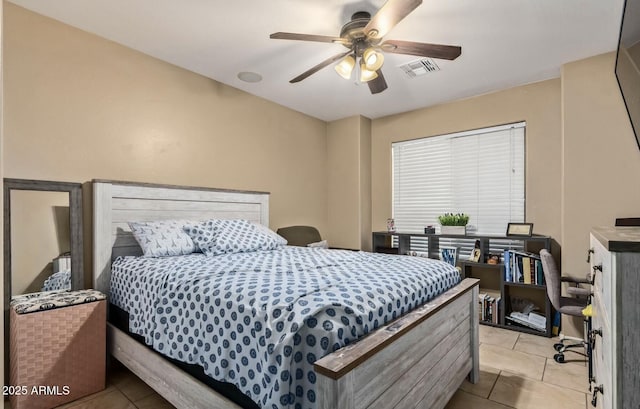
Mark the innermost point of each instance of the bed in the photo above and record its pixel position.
(416, 360)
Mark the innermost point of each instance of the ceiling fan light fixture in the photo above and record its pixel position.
(345, 67)
(366, 74)
(373, 59)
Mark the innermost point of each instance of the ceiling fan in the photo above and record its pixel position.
(363, 37)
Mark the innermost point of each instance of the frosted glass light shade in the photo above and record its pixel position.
(366, 74)
(345, 67)
(373, 59)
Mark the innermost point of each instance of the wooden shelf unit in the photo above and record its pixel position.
(382, 242)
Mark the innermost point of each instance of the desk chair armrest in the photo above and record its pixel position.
(575, 280)
(580, 292)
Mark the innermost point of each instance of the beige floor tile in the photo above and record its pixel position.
(524, 393)
(112, 399)
(154, 401)
(531, 366)
(131, 386)
(536, 345)
(464, 400)
(498, 336)
(484, 386)
(566, 375)
(106, 391)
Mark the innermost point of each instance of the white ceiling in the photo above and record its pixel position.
(504, 43)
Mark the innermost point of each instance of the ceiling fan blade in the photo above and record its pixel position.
(320, 66)
(388, 16)
(378, 84)
(444, 52)
(309, 37)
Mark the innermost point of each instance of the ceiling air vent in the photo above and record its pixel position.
(419, 67)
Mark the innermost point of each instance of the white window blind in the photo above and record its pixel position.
(479, 172)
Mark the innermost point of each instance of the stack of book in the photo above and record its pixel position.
(523, 267)
(490, 306)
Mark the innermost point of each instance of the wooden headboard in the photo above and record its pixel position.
(116, 203)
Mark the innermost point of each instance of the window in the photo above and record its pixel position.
(479, 172)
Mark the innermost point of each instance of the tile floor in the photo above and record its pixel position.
(516, 371)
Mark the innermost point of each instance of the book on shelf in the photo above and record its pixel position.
(530, 320)
(523, 267)
(489, 305)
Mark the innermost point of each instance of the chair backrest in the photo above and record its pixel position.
(551, 277)
(300, 235)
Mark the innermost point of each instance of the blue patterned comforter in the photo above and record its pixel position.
(260, 320)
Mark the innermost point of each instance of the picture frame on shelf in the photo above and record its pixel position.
(476, 253)
(449, 255)
(391, 225)
(520, 229)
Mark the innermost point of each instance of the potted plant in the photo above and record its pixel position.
(453, 223)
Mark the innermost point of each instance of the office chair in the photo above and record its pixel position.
(564, 305)
(300, 235)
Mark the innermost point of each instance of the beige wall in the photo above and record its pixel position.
(80, 107)
(349, 183)
(39, 233)
(538, 104)
(601, 160)
(343, 204)
(365, 184)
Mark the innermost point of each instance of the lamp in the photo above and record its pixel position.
(372, 59)
(365, 73)
(345, 67)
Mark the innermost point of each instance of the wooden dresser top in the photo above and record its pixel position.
(618, 239)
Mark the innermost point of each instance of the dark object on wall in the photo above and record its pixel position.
(627, 61)
(628, 221)
(300, 235)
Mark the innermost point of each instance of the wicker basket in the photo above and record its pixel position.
(57, 355)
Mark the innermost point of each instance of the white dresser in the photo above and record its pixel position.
(616, 317)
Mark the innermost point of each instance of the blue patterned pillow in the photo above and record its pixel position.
(162, 238)
(202, 235)
(215, 237)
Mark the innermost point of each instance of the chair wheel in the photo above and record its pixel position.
(559, 358)
(558, 346)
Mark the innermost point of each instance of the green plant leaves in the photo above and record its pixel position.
(453, 219)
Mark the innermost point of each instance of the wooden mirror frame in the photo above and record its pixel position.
(75, 230)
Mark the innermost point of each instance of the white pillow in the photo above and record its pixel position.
(281, 241)
(162, 238)
(319, 245)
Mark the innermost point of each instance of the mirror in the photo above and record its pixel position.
(43, 247)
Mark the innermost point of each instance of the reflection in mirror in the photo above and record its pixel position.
(40, 241)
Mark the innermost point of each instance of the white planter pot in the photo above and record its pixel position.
(460, 230)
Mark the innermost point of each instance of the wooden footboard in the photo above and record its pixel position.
(417, 361)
